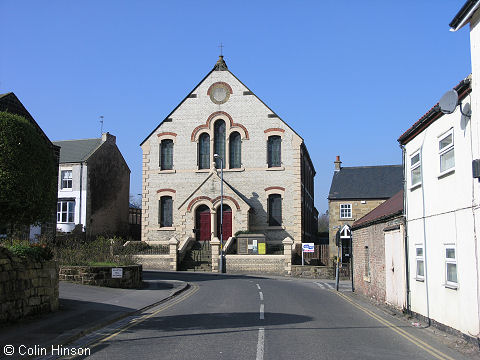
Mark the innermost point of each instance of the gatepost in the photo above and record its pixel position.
(287, 252)
(215, 244)
(173, 247)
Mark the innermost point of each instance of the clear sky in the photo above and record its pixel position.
(349, 76)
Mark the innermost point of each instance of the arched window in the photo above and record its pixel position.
(219, 141)
(166, 154)
(165, 211)
(274, 150)
(235, 150)
(274, 210)
(204, 151)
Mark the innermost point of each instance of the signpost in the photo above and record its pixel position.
(307, 247)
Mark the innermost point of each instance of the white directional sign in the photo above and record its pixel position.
(117, 273)
(308, 247)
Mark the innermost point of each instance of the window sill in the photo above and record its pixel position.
(167, 228)
(202, 170)
(446, 173)
(281, 227)
(451, 286)
(66, 189)
(347, 218)
(242, 168)
(167, 171)
(366, 278)
(420, 279)
(275, 168)
(416, 186)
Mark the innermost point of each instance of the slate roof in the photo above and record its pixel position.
(366, 182)
(388, 209)
(72, 151)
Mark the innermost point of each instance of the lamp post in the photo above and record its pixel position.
(216, 156)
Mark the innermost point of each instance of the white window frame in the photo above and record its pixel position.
(347, 207)
(415, 166)
(417, 259)
(451, 261)
(443, 151)
(69, 210)
(62, 172)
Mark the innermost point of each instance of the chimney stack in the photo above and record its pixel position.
(108, 137)
(338, 163)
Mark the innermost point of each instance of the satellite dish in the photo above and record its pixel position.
(448, 102)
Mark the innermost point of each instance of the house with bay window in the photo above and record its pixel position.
(267, 171)
(93, 187)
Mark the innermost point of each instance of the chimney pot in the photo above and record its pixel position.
(338, 163)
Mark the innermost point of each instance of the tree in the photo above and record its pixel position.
(323, 223)
(28, 186)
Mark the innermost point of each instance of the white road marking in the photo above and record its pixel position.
(320, 285)
(261, 295)
(258, 286)
(260, 343)
(330, 286)
(262, 312)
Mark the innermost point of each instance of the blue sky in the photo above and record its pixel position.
(349, 76)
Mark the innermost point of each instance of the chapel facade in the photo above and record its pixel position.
(267, 172)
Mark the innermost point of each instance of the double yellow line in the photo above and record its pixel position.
(421, 344)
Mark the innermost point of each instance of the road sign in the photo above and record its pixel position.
(117, 273)
(308, 247)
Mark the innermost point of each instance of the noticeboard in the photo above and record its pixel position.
(117, 273)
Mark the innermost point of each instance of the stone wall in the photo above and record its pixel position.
(319, 272)
(155, 262)
(257, 264)
(102, 276)
(26, 287)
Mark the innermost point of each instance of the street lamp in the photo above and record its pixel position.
(216, 156)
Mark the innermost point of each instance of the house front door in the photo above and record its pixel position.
(202, 222)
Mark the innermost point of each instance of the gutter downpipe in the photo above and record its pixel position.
(80, 207)
(425, 262)
(405, 235)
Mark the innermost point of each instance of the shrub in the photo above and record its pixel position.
(36, 252)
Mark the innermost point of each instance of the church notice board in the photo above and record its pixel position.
(251, 244)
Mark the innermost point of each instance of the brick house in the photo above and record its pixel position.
(378, 240)
(268, 174)
(93, 187)
(354, 192)
(10, 103)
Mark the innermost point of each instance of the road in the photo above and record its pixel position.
(255, 317)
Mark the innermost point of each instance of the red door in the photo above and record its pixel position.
(203, 223)
(227, 222)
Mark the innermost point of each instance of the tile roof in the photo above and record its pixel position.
(366, 182)
(391, 207)
(72, 151)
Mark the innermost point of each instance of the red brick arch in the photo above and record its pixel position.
(209, 120)
(219, 83)
(194, 200)
(275, 188)
(229, 198)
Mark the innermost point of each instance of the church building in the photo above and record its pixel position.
(267, 171)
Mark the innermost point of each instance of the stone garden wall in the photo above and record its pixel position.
(102, 276)
(26, 287)
(257, 264)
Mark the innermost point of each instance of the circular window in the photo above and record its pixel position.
(219, 93)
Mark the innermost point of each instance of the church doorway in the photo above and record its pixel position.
(227, 222)
(202, 223)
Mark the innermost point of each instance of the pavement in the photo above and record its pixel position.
(84, 309)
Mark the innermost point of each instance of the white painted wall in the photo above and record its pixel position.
(441, 211)
(78, 192)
